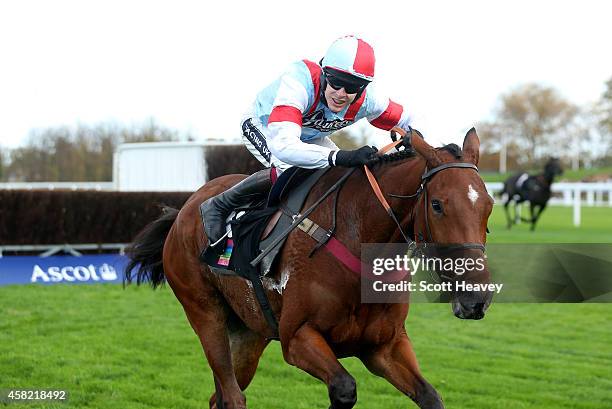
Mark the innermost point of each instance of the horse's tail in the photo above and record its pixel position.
(145, 252)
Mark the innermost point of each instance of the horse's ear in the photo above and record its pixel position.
(424, 149)
(471, 147)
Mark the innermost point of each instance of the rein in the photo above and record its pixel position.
(426, 177)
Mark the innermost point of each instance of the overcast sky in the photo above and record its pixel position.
(195, 65)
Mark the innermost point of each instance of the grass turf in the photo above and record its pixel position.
(133, 348)
(554, 226)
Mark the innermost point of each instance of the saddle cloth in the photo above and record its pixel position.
(273, 217)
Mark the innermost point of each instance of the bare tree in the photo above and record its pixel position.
(605, 106)
(603, 113)
(532, 117)
(2, 163)
(84, 153)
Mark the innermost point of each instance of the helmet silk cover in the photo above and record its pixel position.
(351, 55)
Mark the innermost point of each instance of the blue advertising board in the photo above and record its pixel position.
(86, 269)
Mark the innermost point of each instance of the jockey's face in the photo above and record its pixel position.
(338, 99)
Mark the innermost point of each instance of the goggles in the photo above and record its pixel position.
(337, 83)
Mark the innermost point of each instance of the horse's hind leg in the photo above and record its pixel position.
(247, 347)
(308, 350)
(207, 312)
(396, 362)
(209, 324)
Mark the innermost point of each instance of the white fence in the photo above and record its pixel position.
(571, 194)
(58, 185)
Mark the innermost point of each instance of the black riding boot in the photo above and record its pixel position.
(215, 210)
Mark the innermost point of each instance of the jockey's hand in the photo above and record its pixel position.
(362, 156)
(407, 141)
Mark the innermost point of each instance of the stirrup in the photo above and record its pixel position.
(220, 239)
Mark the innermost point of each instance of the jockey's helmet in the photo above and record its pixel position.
(351, 59)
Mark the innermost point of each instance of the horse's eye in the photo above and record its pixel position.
(436, 206)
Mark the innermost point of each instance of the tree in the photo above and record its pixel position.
(606, 108)
(603, 113)
(532, 117)
(84, 153)
(2, 163)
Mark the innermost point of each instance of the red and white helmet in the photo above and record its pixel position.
(351, 55)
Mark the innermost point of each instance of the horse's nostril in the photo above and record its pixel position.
(474, 310)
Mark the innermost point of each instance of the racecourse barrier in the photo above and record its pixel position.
(54, 217)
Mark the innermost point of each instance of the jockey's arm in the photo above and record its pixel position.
(327, 142)
(285, 144)
(385, 114)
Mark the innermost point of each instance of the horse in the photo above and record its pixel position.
(534, 189)
(316, 299)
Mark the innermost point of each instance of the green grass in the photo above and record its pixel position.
(568, 175)
(133, 348)
(555, 226)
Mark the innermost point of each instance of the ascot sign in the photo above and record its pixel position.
(105, 272)
(85, 269)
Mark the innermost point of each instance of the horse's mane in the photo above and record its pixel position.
(453, 149)
(410, 153)
(396, 156)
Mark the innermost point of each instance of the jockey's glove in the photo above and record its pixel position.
(362, 156)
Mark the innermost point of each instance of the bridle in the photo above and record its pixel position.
(425, 178)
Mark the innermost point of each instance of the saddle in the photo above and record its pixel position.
(259, 224)
(527, 186)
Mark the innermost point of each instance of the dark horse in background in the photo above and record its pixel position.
(534, 189)
(317, 300)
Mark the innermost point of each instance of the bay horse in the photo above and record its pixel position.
(317, 299)
(534, 189)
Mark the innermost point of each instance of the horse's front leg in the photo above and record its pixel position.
(508, 218)
(517, 212)
(309, 351)
(536, 216)
(397, 363)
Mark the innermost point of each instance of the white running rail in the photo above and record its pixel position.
(575, 194)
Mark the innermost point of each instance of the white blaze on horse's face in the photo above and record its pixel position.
(472, 195)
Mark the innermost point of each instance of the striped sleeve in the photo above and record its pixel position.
(389, 117)
(382, 112)
(290, 102)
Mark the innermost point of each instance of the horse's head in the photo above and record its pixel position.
(452, 213)
(553, 168)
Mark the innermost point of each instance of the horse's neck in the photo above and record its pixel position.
(403, 179)
(549, 177)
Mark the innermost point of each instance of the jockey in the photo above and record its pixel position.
(290, 122)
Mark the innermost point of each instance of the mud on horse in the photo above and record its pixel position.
(320, 314)
(533, 189)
